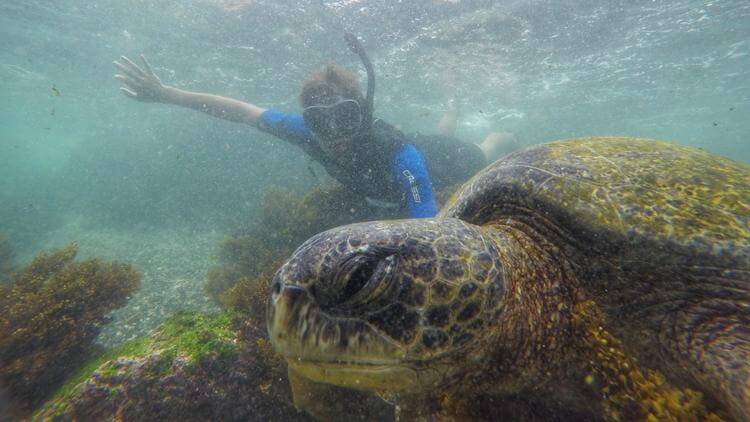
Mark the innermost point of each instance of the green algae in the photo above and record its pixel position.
(190, 335)
(102, 363)
(196, 336)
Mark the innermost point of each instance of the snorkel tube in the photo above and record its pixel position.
(356, 47)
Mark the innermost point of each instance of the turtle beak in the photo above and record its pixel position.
(287, 311)
(280, 308)
(299, 329)
(319, 348)
(335, 350)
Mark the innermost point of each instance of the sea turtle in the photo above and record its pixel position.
(604, 277)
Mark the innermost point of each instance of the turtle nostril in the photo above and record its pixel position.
(275, 289)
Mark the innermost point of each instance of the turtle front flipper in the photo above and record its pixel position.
(715, 338)
(326, 402)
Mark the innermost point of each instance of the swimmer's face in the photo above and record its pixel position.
(335, 121)
(335, 146)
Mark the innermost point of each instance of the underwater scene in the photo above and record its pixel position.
(375, 210)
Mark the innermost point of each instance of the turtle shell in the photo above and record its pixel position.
(658, 234)
(600, 192)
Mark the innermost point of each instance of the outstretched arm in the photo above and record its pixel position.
(141, 83)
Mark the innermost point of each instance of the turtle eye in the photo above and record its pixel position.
(358, 278)
(364, 278)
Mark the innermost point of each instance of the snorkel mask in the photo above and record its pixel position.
(338, 117)
(335, 117)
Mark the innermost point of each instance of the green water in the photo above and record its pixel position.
(159, 186)
(673, 70)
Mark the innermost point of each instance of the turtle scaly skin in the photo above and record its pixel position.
(604, 277)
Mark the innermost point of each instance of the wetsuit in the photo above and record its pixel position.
(386, 169)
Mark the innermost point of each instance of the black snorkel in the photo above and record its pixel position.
(356, 47)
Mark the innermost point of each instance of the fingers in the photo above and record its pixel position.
(137, 83)
(133, 65)
(128, 92)
(128, 82)
(130, 72)
(150, 71)
(148, 66)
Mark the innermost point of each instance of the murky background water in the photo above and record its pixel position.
(158, 186)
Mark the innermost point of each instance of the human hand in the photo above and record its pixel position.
(139, 84)
(499, 144)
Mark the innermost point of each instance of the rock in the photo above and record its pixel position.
(195, 367)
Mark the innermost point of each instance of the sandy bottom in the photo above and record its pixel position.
(173, 263)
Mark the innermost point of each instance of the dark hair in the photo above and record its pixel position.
(332, 80)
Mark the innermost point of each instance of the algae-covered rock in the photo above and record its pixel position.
(194, 367)
(50, 314)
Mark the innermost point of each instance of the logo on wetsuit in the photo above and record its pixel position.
(414, 186)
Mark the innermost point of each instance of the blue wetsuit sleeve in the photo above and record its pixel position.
(410, 171)
(289, 127)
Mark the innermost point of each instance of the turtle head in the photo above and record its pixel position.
(397, 306)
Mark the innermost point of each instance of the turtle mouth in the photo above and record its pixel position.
(301, 331)
(363, 375)
(337, 350)
(363, 364)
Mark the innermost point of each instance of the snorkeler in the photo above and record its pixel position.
(371, 158)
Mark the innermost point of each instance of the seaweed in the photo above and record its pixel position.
(50, 314)
(251, 256)
(248, 296)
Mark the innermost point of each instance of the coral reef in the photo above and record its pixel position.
(50, 314)
(6, 258)
(195, 367)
